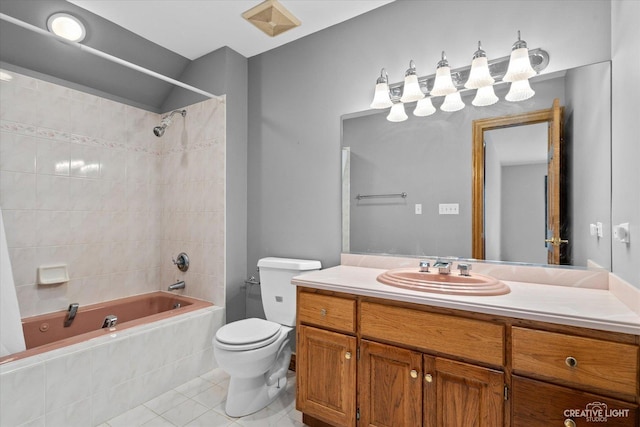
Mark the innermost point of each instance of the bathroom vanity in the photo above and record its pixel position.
(372, 355)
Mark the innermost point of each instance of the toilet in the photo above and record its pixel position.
(256, 352)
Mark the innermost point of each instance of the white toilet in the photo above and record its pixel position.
(256, 352)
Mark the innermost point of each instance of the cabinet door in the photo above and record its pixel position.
(390, 385)
(538, 404)
(461, 395)
(326, 376)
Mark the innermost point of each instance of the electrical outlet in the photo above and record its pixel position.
(418, 209)
(449, 208)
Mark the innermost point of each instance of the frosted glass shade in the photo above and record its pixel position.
(381, 98)
(519, 66)
(452, 102)
(443, 84)
(411, 91)
(479, 76)
(519, 91)
(485, 96)
(397, 113)
(424, 108)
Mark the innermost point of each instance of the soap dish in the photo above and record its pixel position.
(52, 274)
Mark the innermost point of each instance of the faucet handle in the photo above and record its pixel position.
(424, 266)
(464, 269)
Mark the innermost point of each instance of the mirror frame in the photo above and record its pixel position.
(479, 127)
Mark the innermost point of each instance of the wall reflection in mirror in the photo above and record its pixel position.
(430, 159)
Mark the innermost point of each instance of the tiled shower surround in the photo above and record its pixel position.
(83, 181)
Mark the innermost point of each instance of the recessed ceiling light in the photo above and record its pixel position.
(66, 26)
(5, 76)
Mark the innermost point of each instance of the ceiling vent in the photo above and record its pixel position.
(271, 17)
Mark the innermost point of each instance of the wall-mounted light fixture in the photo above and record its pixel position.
(66, 26)
(481, 76)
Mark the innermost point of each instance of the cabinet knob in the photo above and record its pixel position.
(323, 312)
(414, 373)
(569, 423)
(347, 355)
(428, 378)
(571, 362)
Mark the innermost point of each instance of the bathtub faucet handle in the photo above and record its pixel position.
(182, 261)
(71, 314)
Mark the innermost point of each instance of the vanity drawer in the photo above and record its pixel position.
(327, 311)
(576, 361)
(538, 404)
(431, 332)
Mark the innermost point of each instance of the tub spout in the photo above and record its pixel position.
(178, 285)
(71, 314)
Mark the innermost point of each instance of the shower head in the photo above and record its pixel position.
(166, 121)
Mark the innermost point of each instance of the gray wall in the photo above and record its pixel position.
(625, 147)
(588, 138)
(224, 71)
(523, 222)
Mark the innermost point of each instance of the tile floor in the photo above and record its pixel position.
(200, 403)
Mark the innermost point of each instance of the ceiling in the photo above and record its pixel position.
(169, 37)
(193, 28)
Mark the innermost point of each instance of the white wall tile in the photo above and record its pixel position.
(60, 389)
(28, 384)
(17, 152)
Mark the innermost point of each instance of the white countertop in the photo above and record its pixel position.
(589, 308)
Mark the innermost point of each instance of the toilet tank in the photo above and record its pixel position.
(278, 294)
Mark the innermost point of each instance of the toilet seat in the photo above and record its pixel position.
(247, 334)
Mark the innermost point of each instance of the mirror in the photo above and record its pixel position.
(429, 160)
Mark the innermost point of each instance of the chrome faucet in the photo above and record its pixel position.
(178, 285)
(444, 267)
(71, 314)
(464, 269)
(424, 266)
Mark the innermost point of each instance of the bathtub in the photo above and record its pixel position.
(85, 374)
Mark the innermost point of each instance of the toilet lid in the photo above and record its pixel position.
(249, 333)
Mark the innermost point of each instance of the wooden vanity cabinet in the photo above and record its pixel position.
(326, 359)
(326, 376)
(372, 362)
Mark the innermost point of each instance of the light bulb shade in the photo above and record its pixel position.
(381, 97)
(485, 96)
(443, 85)
(519, 66)
(411, 91)
(479, 76)
(452, 102)
(424, 108)
(397, 114)
(519, 91)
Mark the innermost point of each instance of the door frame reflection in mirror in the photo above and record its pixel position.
(552, 116)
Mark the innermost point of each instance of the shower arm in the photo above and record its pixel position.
(166, 120)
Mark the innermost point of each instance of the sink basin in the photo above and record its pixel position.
(412, 278)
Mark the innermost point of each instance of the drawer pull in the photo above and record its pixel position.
(428, 378)
(347, 355)
(323, 312)
(414, 373)
(569, 423)
(571, 362)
